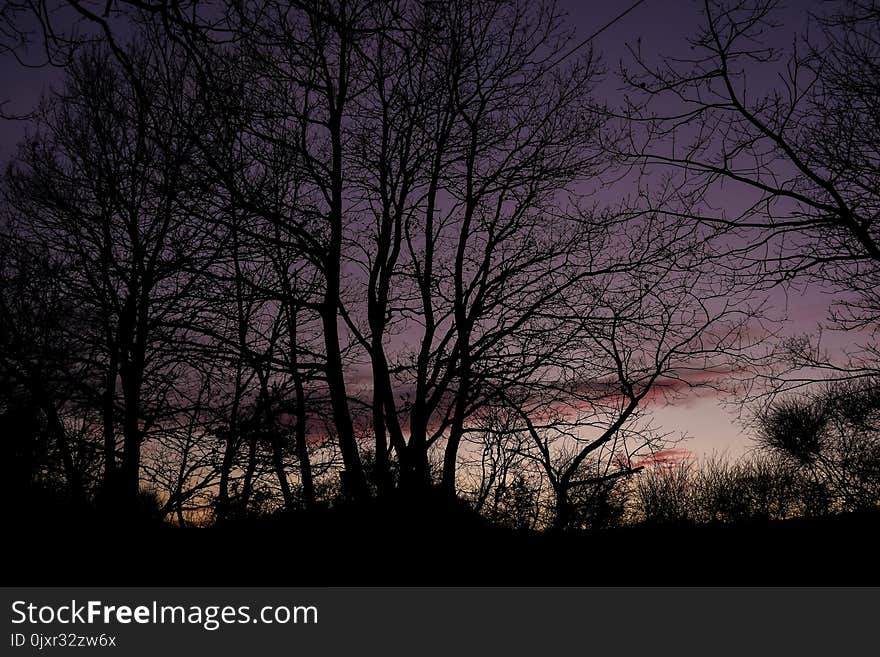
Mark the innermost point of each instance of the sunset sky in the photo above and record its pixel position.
(662, 27)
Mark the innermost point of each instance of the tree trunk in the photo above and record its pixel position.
(280, 472)
(247, 487)
(562, 517)
(354, 481)
(302, 447)
(108, 419)
(229, 449)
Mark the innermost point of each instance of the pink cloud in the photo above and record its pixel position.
(665, 458)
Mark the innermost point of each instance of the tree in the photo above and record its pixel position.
(108, 187)
(36, 354)
(658, 313)
(787, 142)
(443, 214)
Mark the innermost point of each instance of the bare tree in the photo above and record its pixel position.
(657, 322)
(784, 141)
(37, 356)
(480, 129)
(105, 187)
(443, 212)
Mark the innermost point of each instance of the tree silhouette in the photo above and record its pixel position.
(356, 247)
(791, 134)
(104, 188)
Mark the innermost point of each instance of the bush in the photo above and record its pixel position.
(664, 495)
(834, 436)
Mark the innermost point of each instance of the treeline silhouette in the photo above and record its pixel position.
(331, 254)
(282, 259)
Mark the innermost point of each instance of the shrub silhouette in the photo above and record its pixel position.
(795, 427)
(664, 495)
(602, 505)
(759, 487)
(834, 436)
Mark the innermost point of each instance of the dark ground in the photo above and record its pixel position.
(394, 543)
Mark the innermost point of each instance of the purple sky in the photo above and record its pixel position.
(662, 26)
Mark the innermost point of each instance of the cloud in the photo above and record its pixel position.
(663, 458)
(676, 388)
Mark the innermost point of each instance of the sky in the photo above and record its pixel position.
(662, 27)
